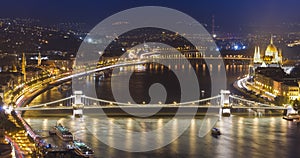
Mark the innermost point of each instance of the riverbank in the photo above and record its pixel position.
(248, 95)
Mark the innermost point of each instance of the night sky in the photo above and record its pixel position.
(228, 13)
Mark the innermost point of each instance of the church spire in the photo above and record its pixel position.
(280, 53)
(271, 42)
(256, 57)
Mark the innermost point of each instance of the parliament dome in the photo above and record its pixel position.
(271, 49)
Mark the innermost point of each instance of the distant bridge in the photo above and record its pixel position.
(79, 73)
(94, 68)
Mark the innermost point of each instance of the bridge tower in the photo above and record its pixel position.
(225, 108)
(78, 105)
(24, 67)
(39, 60)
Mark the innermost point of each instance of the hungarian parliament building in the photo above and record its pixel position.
(269, 77)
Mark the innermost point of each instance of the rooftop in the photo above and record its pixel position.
(278, 74)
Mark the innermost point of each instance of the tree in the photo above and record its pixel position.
(296, 104)
(1, 102)
(280, 100)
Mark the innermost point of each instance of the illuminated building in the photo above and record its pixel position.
(270, 78)
(276, 82)
(271, 58)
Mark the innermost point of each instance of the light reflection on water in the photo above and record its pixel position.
(241, 136)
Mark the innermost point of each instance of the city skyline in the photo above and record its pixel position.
(229, 14)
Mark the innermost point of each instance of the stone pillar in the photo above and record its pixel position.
(224, 103)
(78, 105)
(225, 98)
(290, 110)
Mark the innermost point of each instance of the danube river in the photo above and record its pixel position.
(242, 136)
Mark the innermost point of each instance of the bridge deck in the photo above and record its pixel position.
(148, 106)
(144, 111)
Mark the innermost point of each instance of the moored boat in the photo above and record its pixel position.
(291, 117)
(63, 132)
(82, 149)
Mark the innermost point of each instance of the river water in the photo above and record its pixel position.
(242, 136)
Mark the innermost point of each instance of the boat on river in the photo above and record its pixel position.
(215, 132)
(82, 149)
(291, 117)
(62, 132)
